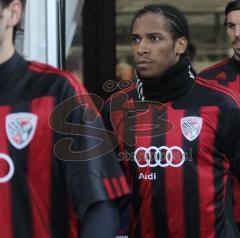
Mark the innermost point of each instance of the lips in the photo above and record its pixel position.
(143, 63)
(236, 42)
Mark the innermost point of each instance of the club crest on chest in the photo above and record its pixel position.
(20, 128)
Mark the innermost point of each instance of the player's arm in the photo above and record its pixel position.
(102, 217)
(93, 176)
(97, 183)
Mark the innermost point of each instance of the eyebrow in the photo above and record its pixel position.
(154, 33)
(229, 22)
(148, 34)
(233, 23)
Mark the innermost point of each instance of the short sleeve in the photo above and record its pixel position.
(85, 149)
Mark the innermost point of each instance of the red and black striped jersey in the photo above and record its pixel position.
(177, 157)
(227, 73)
(53, 166)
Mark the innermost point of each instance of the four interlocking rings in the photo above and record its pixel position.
(10, 173)
(159, 156)
(144, 157)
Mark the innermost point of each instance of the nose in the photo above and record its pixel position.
(143, 48)
(237, 31)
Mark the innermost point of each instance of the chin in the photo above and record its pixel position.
(146, 75)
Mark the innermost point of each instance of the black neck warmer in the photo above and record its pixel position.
(170, 85)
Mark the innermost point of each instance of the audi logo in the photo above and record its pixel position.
(10, 173)
(159, 156)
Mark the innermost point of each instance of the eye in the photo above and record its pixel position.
(155, 38)
(230, 25)
(135, 39)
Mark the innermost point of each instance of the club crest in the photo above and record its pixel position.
(20, 128)
(191, 127)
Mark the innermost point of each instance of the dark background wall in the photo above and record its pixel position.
(98, 44)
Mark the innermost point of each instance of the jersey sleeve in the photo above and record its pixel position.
(85, 149)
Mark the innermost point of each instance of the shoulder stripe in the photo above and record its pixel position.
(215, 66)
(216, 87)
(79, 89)
(75, 83)
(57, 70)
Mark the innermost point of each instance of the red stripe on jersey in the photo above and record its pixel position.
(215, 66)
(216, 87)
(116, 186)
(6, 229)
(73, 223)
(226, 166)
(174, 178)
(40, 159)
(205, 165)
(109, 188)
(146, 190)
(235, 85)
(124, 185)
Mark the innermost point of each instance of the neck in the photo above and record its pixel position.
(6, 54)
(6, 49)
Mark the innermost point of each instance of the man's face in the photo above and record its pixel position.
(233, 31)
(153, 48)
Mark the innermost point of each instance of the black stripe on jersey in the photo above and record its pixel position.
(59, 201)
(159, 208)
(21, 203)
(219, 185)
(10, 87)
(191, 185)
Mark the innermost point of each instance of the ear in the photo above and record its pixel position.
(181, 45)
(14, 13)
